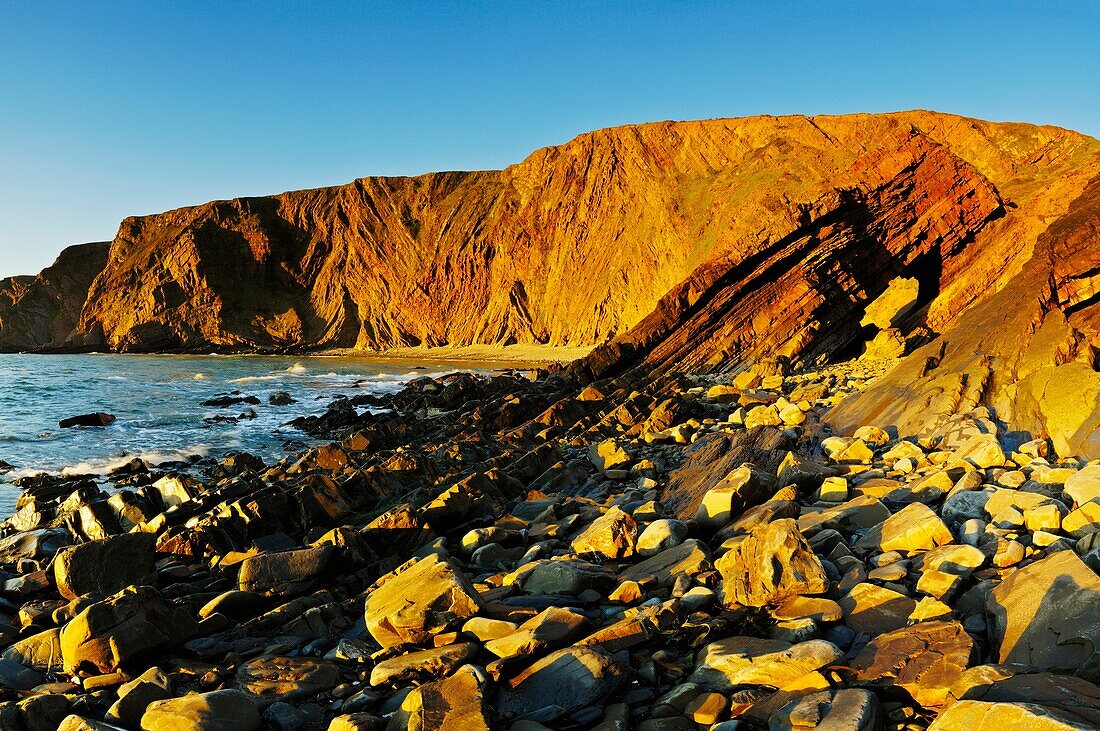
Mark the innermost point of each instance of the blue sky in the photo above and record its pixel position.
(134, 108)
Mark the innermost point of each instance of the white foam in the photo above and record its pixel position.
(199, 377)
(254, 379)
(297, 368)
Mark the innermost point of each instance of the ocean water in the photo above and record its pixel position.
(157, 400)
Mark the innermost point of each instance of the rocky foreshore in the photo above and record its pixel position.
(529, 551)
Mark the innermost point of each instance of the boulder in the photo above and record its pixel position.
(284, 573)
(570, 576)
(220, 710)
(98, 418)
(1044, 615)
(287, 679)
(874, 609)
(1064, 694)
(414, 604)
(925, 659)
(612, 535)
(422, 665)
(773, 563)
(690, 558)
(982, 716)
(550, 628)
(105, 566)
(561, 683)
(135, 697)
(842, 709)
(916, 527)
(661, 535)
(742, 488)
(745, 661)
(137, 620)
(456, 703)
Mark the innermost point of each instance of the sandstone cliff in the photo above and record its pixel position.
(689, 245)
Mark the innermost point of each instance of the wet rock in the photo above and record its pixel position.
(105, 566)
(221, 710)
(925, 659)
(98, 418)
(284, 573)
(414, 604)
(281, 398)
(561, 683)
(773, 563)
(1044, 615)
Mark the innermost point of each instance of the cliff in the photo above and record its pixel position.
(672, 246)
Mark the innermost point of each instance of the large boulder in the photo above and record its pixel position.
(612, 536)
(747, 661)
(982, 716)
(925, 659)
(843, 709)
(105, 566)
(414, 604)
(1044, 615)
(456, 703)
(287, 678)
(773, 563)
(1065, 694)
(742, 488)
(220, 710)
(284, 573)
(916, 527)
(561, 683)
(137, 620)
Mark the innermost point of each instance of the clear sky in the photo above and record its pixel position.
(109, 110)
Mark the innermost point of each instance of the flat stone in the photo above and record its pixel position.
(220, 710)
(1065, 694)
(561, 683)
(422, 665)
(1044, 615)
(746, 661)
(844, 709)
(690, 558)
(660, 535)
(570, 577)
(874, 609)
(284, 573)
(916, 527)
(550, 628)
(287, 678)
(416, 603)
(979, 716)
(456, 703)
(925, 659)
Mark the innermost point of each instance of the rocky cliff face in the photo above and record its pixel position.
(580, 243)
(672, 246)
(42, 312)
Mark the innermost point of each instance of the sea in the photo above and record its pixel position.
(157, 401)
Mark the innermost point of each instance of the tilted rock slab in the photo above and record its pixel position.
(414, 604)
